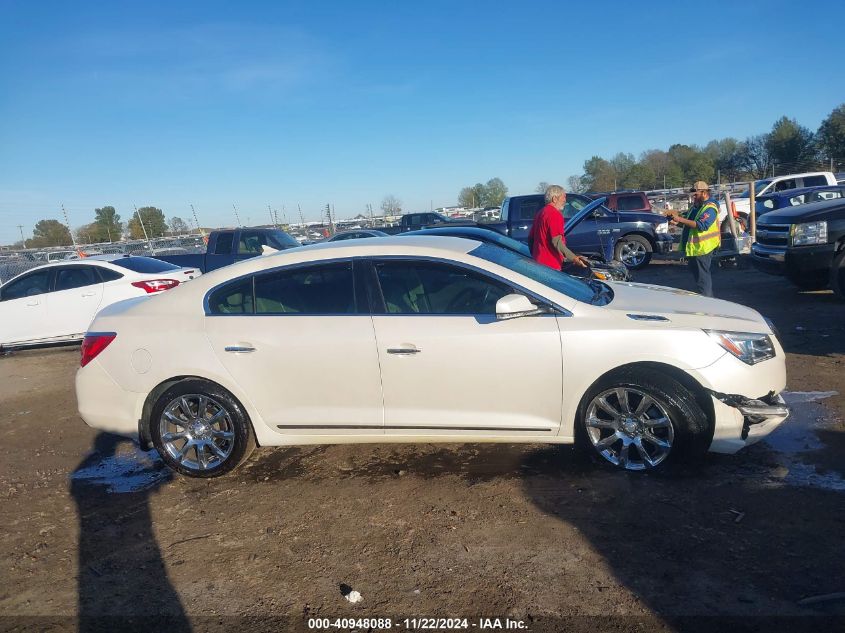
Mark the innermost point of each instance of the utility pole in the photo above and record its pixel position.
(301, 217)
(144, 229)
(197, 222)
(67, 223)
(237, 217)
(272, 217)
(23, 239)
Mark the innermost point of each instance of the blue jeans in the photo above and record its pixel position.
(700, 269)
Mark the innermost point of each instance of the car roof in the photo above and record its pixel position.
(800, 190)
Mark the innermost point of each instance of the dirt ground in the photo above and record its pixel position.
(93, 527)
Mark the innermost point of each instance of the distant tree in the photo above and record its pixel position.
(391, 205)
(754, 156)
(791, 145)
(726, 155)
(575, 184)
(178, 226)
(622, 163)
(543, 185)
(599, 175)
(109, 227)
(494, 193)
(50, 233)
(639, 176)
(88, 234)
(700, 167)
(153, 223)
(831, 135)
(473, 197)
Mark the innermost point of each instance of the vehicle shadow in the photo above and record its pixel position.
(724, 541)
(122, 580)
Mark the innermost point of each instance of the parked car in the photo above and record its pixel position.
(742, 202)
(428, 340)
(234, 245)
(417, 221)
(623, 236)
(54, 304)
(804, 243)
(598, 269)
(635, 201)
(356, 234)
(795, 197)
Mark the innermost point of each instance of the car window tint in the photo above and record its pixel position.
(144, 264)
(321, 289)
(815, 181)
(573, 206)
(529, 208)
(796, 200)
(233, 298)
(33, 284)
(224, 243)
(107, 274)
(412, 287)
(783, 185)
(629, 203)
(70, 277)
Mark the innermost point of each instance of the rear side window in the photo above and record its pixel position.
(233, 298)
(796, 200)
(630, 203)
(144, 264)
(33, 284)
(71, 277)
(224, 243)
(107, 274)
(528, 209)
(324, 289)
(815, 181)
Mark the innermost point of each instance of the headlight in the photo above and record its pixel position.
(662, 227)
(749, 348)
(809, 233)
(600, 275)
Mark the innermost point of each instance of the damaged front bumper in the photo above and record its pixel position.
(750, 419)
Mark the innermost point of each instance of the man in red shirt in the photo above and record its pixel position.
(546, 240)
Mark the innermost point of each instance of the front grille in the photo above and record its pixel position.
(773, 234)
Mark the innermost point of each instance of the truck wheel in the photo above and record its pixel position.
(634, 251)
(810, 281)
(837, 275)
(741, 225)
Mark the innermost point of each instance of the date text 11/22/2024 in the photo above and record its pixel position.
(417, 624)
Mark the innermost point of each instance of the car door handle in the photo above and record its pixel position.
(239, 349)
(32, 304)
(522, 228)
(403, 350)
(88, 294)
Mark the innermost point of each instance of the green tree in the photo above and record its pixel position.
(109, 227)
(831, 135)
(639, 176)
(700, 167)
(495, 192)
(622, 163)
(791, 146)
(87, 234)
(473, 197)
(599, 175)
(726, 155)
(50, 233)
(178, 226)
(153, 223)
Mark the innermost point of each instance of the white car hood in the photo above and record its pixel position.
(684, 309)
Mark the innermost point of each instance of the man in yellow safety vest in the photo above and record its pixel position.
(700, 236)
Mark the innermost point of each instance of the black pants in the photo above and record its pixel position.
(700, 269)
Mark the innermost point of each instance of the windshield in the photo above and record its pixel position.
(759, 185)
(595, 293)
(144, 264)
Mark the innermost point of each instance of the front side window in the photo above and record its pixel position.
(320, 289)
(224, 243)
(71, 277)
(815, 181)
(415, 287)
(33, 284)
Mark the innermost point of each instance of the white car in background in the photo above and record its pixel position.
(55, 303)
(427, 339)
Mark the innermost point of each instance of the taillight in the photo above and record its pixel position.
(93, 344)
(156, 285)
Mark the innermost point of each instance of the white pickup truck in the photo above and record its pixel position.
(742, 202)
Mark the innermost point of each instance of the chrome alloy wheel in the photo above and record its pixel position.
(197, 432)
(632, 253)
(621, 418)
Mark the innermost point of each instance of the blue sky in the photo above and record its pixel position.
(285, 103)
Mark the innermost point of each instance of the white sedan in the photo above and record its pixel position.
(427, 339)
(54, 304)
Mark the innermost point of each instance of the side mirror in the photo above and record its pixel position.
(514, 306)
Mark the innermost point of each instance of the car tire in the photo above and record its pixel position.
(837, 274)
(671, 429)
(200, 429)
(817, 280)
(634, 251)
